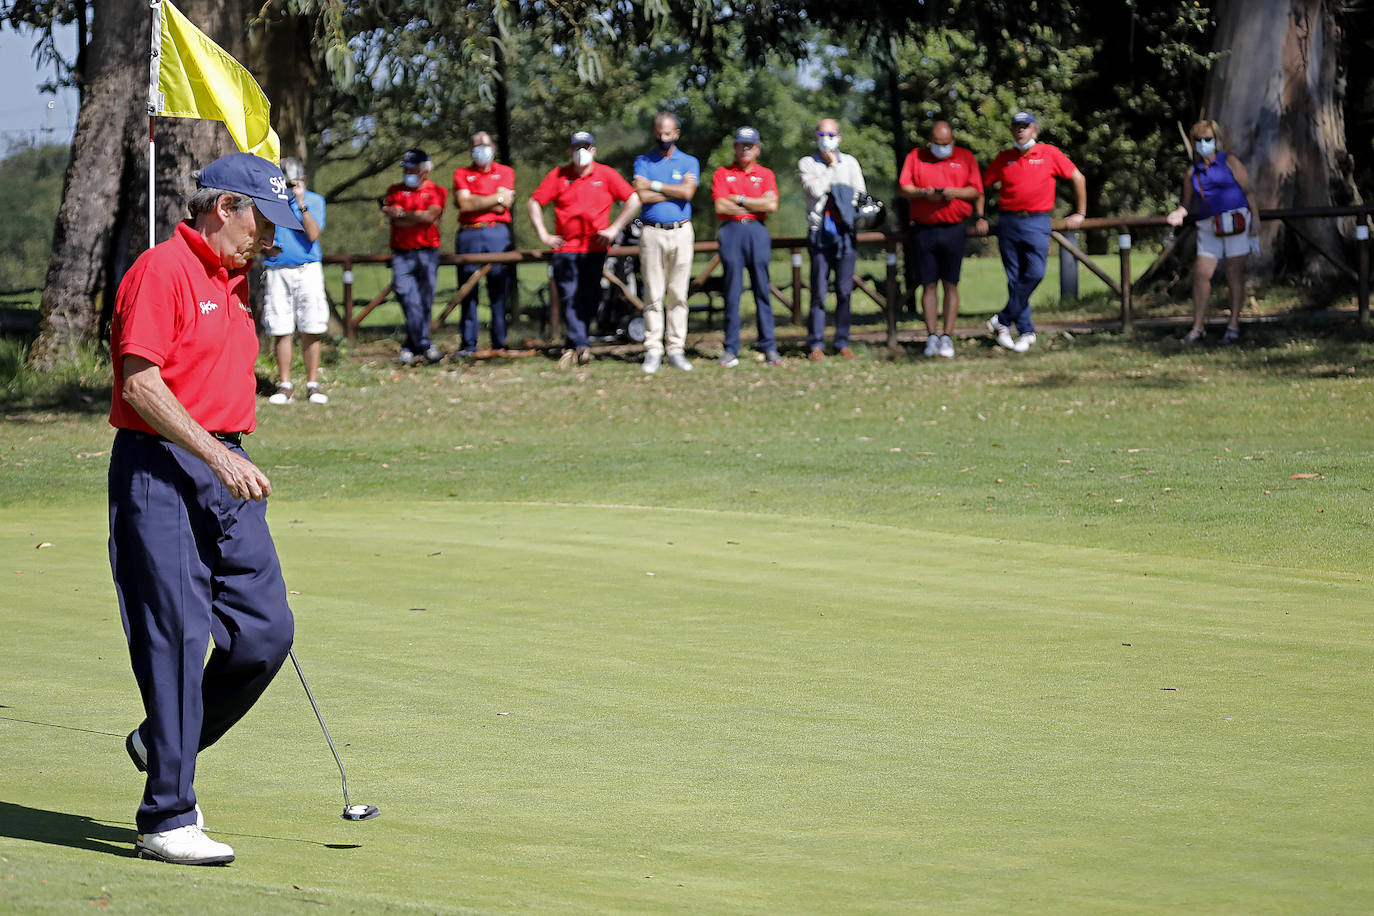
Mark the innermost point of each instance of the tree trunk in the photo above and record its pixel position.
(1279, 96)
(102, 225)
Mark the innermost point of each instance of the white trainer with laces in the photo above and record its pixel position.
(1002, 332)
(947, 346)
(933, 345)
(1025, 342)
(183, 846)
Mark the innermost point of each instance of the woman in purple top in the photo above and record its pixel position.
(1217, 193)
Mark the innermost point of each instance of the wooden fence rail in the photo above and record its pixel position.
(891, 295)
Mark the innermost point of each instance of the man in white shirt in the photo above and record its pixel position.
(831, 179)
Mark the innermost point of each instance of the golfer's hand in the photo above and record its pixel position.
(242, 477)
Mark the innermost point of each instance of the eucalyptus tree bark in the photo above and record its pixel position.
(102, 224)
(1279, 96)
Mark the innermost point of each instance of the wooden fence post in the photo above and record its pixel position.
(1123, 243)
(796, 286)
(1362, 243)
(350, 329)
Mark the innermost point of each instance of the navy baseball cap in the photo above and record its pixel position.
(583, 138)
(255, 177)
(746, 135)
(1023, 117)
(414, 158)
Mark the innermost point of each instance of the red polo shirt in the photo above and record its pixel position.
(482, 182)
(179, 308)
(1028, 178)
(408, 238)
(581, 203)
(731, 180)
(923, 170)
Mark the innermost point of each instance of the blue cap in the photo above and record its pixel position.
(414, 158)
(1023, 117)
(746, 135)
(583, 138)
(255, 177)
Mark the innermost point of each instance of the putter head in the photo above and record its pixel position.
(360, 813)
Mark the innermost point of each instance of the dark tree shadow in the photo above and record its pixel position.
(61, 829)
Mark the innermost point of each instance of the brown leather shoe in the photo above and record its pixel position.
(816, 355)
(846, 353)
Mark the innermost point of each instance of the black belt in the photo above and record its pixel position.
(231, 438)
(681, 222)
(1023, 212)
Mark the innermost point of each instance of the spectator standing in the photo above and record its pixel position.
(485, 192)
(831, 179)
(190, 551)
(414, 207)
(945, 188)
(294, 297)
(745, 193)
(1217, 189)
(582, 193)
(1027, 174)
(665, 180)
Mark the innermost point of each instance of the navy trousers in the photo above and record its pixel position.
(578, 278)
(414, 277)
(485, 240)
(746, 247)
(190, 562)
(830, 251)
(1024, 242)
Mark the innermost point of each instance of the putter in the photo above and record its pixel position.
(351, 812)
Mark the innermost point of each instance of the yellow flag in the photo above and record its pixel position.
(194, 78)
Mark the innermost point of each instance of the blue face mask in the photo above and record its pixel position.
(483, 155)
(941, 151)
(664, 145)
(1206, 147)
(411, 180)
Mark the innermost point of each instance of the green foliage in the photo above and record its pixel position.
(31, 177)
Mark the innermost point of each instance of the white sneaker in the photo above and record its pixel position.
(183, 846)
(1003, 334)
(947, 346)
(282, 395)
(406, 358)
(652, 361)
(316, 395)
(1025, 342)
(728, 360)
(933, 345)
(678, 361)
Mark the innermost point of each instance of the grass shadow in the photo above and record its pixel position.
(59, 828)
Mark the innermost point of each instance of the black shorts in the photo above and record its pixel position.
(937, 251)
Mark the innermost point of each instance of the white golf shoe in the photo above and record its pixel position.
(947, 346)
(652, 361)
(1002, 332)
(933, 345)
(1025, 342)
(316, 395)
(183, 846)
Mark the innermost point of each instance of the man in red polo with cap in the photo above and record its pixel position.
(1027, 174)
(189, 547)
(415, 207)
(582, 193)
(745, 193)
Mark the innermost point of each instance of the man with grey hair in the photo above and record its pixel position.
(831, 179)
(294, 298)
(189, 547)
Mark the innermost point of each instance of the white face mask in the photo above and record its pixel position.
(828, 144)
(941, 151)
(1206, 147)
(1023, 145)
(482, 155)
(582, 157)
(411, 180)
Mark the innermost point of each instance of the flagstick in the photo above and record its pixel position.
(152, 158)
(154, 18)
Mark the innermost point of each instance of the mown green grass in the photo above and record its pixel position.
(1053, 633)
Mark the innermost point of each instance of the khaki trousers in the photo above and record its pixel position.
(665, 263)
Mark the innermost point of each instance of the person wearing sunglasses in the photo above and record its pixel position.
(1217, 193)
(831, 180)
(1027, 174)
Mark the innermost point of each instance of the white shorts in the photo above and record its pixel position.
(295, 300)
(1211, 245)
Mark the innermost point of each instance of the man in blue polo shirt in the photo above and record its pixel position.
(665, 181)
(294, 298)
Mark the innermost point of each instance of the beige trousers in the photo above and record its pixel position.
(665, 263)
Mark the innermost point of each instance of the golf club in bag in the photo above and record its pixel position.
(351, 812)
